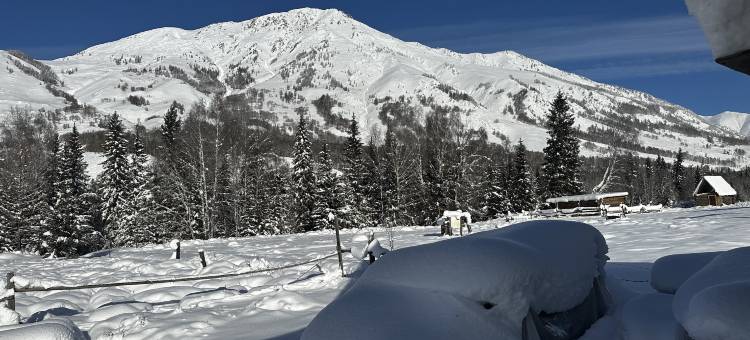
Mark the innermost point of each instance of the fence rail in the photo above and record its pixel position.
(178, 279)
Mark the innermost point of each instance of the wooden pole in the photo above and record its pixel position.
(338, 249)
(202, 255)
(177, 251)
(11, 300)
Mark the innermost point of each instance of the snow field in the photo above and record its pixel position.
(280, 305)
(442, 290)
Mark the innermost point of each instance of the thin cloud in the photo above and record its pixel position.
(647, 68)
(570, 39)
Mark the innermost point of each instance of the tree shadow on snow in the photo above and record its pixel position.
(57, 311)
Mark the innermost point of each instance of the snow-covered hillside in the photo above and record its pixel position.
(278, 305)
(737, 122)
(279, 62)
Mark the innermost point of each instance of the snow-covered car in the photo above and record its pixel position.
(531, 280)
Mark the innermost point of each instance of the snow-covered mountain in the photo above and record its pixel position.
(279, 62)
(737, 122)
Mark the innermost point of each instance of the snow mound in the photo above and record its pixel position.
(714, 303)
(58, 329)
(475, 287)
(670, 272)
(720, 312)
(106, 312)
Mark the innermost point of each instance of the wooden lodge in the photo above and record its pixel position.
(587, 204)
(714, 190)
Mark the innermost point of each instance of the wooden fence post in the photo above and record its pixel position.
(338, 248)
(202, 255)
(177, 251)
(11, 300)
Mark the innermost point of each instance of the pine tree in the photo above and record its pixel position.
(326, 199)
(115, 180)
(70, 232)
(8, 217)
(648, 181)
(678, 176)
(561, 163)
(52, 171)
(355, 215)
(497, 201)
(138, 224)
(303, 176)
(521, 188)
(171, 128)
(662, 182)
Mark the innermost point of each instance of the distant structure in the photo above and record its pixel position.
(714, 190)
(454, 220)
(587, 204)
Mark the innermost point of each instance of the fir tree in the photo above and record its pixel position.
(497, 202)
(138, 222)
(115, 180)
(561, 163)
(52, 171)
(326, 201)
(354, 172)
(521, 188)
(70, 232)
(171, 128)
(678, 176)
(303, 176)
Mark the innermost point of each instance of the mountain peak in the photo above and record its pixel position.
(279, 62)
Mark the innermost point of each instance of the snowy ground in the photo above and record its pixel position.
(279, 305)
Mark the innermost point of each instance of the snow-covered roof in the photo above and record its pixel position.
(720, 186)
(587, 197)
(458, 214)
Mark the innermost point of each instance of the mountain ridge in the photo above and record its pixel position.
(281, 61)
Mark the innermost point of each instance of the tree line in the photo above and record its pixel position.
(211, 171)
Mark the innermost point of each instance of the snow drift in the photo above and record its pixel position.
(714, 303)
(476, 287)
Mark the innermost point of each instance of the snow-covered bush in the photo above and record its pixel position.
(476, 287)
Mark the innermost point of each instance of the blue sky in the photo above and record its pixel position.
(648, 45)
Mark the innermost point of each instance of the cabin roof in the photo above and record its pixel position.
(720, 186)
(587, 197)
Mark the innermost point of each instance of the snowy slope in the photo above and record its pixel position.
(282, 61)
(737, 122)
(279, 304)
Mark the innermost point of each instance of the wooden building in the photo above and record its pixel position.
(714, 190)
(587, 204)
